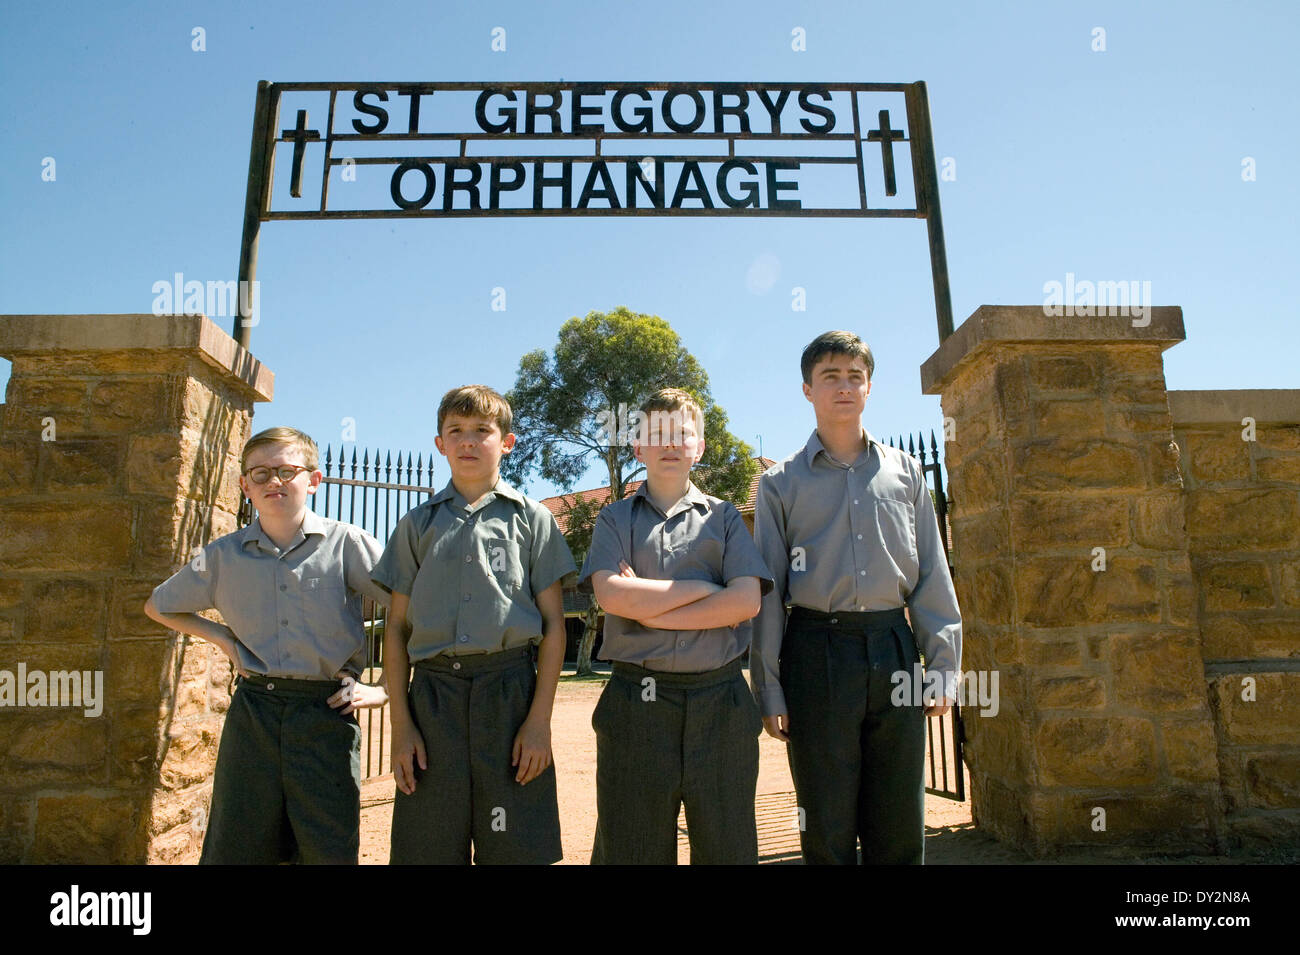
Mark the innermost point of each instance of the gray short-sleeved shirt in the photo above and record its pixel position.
(296, 611)
(852, 536)
(700, 538)
(473, 573)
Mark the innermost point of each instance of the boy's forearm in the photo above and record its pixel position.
(640, 597)
(196, 626)
(397, 670)
(550, 660)
(735, 604)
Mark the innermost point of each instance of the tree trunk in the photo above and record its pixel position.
(588, 641)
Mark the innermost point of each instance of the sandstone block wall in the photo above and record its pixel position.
(1241, 467)
(119, 442)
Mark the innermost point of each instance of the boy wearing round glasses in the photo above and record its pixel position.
(288, 586)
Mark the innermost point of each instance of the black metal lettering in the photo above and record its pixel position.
(654, 189)
(564, 181)
(750, 187)
(579, 111)
(497, 186)
(469, 186)
(774, 200)
(606, 190)
(774, 109)
(532, 110)
(414, 92)
(691, 170)
(814, 108)
(506, 125)
(430, 182)
(667, 110)
(645, 114)
(361, 106)
(721, 110)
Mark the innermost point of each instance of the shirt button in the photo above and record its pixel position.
(681, 643)
(456, 665)
(859, 537)
(270, 686)
(862, 573)
(855, 502)
(835, 619)
(468, 558)
(464, 639)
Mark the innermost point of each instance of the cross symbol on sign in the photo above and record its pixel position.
(886, 136)
(300, 134)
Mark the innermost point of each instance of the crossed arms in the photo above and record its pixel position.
(676, 604)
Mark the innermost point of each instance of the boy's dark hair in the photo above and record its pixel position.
(476, 401)
(835, 343)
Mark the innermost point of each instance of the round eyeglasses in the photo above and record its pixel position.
(285, 472)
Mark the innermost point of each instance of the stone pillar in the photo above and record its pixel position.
(1241, 466)
(119, 444)
(1063, 463)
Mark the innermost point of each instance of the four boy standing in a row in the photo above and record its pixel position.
(474, 577)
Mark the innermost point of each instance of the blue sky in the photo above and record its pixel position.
(1117, 165)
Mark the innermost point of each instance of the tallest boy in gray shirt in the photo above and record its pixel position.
(847, 527)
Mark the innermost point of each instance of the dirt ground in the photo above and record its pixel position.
(951, 837)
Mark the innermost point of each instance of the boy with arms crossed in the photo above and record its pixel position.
(476, 573)
(849, 531)
(677, 574)
(287, 785)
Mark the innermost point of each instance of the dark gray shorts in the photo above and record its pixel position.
(287, 786)
(694, 741)
(469, 709)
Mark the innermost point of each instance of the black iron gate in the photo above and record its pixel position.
(943, 733)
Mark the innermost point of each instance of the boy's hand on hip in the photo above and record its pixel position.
(940, 708)
(354, 695)
(408, 749)
(532, 750)
(778, 726)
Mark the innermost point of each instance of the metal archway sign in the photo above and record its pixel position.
(456, 150)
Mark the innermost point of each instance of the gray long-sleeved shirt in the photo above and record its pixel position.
(851, 537)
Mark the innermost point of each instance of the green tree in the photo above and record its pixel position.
(569, 405)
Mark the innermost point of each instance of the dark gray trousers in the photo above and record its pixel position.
(668, 739)
(857, 760)
(468, 710)
(287, 786)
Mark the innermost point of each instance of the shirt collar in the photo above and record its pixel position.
(449, 493)
(312, 523)
(693, 497)
(815, 446)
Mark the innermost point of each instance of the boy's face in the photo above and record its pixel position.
(673, 444)
(839, 389)
(473, 446)
(277, 496)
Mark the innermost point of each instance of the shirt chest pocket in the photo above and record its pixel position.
(896, 522)
(324, 602)
(696, 559)
(503, 561)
